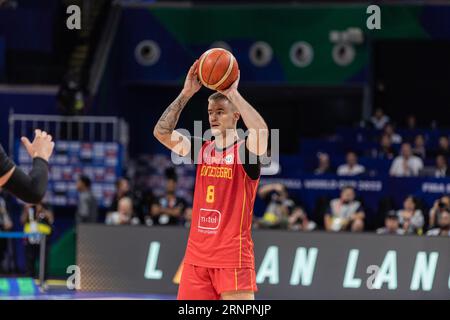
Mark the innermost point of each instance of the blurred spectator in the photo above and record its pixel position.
(87, 204)
(443, 147)
(345, 213)
(410, 217)
(379, 119)
(439, 205)
(419, 146)
(36, 219)
(411, 123)
(351, 167)
(389, 130)
(324, 166)
(391, 225)
(144, 204)
(167, 209)
(122, 190)
(278, 207)
(406, 164)
(298, 220)
(385, 150)
(441, 170)
(124, 214)
(443, 228)
(187, 217)
(5, 225)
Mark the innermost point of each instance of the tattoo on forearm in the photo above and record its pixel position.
(169, 118)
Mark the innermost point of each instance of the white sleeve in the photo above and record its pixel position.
(394, 168)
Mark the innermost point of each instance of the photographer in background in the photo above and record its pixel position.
(298, 221)
(443, 229)
(439, 204)
(169, 208)
(278, 208)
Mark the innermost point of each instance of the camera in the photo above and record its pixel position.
(442, 205)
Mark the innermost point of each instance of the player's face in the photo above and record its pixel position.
(221, 116)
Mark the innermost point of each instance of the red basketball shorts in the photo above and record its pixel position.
(201, 283)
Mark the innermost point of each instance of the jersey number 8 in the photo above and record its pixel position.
(210, 194)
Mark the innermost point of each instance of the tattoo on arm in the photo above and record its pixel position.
(166, 124)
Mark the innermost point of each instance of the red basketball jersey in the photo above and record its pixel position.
(224, 195)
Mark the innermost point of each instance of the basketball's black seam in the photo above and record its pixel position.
(212, 69)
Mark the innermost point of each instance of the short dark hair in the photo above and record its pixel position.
(391, 214)
(85, 180)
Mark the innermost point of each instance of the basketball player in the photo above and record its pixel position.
(30, 187)
(219, 261)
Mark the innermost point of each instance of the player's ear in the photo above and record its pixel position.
(236, 116)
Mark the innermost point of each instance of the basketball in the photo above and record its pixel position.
(217, 69)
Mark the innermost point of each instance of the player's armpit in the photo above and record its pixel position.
(178, 143)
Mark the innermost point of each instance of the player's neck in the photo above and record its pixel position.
(224, 141)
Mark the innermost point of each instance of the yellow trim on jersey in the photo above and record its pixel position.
(235, 279)
(240, 229)
(251, 278)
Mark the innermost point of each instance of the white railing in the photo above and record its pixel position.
(71, 128)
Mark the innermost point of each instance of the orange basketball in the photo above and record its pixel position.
(217, 69)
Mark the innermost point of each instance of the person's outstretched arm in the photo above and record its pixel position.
(164, 129)
(30, 187)
(258, 131)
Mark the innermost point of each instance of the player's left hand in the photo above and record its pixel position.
(233, 88)
(42, 145)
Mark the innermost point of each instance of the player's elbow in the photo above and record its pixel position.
(34, 196)
(158, 135)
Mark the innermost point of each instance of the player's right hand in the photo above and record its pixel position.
(42, 145)
(192, 84)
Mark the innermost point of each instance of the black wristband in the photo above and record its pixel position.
(30, 188)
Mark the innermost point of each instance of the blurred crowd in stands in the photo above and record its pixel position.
(416, 154)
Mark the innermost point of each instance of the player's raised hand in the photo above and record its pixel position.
(233, 88)
(192, 84)
(42, 145)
